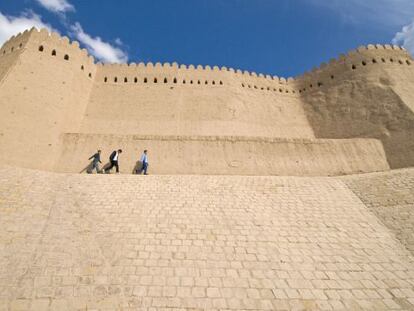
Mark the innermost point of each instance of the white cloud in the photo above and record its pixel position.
(104, 51)
(57, 6)
(406, 37)
(381, 12)
(12, 25)
(98, 48)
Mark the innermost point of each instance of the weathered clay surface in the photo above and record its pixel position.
(390, 197)
(234, 155)
(49, 87)
(124, 242)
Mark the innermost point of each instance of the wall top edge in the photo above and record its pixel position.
(360, 51)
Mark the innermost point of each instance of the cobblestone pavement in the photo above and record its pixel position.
(390, 196)
(124, 242)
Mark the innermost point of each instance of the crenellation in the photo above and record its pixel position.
(91, 60)
(54, 36)
(207, 98)
(351, 54)
(75, 44)
(62, 49)
(323, 65)
(15, 43)
(354, 60)
(65, 40)
(361, 48)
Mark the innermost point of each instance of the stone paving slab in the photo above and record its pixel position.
(124, 242)
(390, 196)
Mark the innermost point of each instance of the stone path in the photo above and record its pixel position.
(124, 242)
(390, 196)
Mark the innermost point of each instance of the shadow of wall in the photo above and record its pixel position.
(363, 108)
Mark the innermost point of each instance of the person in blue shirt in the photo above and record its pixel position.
(144, 161)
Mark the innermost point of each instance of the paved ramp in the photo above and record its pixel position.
(124, 242)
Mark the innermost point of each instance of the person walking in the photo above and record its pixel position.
(113, 159)
(144, 161)
(95, 162)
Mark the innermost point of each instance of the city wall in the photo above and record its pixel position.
(368, 93)
(235, 155)
(44, 95)
(172, 100)
(50, 87)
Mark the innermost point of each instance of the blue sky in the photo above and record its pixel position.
(277, 37)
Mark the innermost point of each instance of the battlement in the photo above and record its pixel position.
(363, 58)
(15, 42)
(180, 74)
(175, 67)
(150, 74)
(49, 87)
(51, 44)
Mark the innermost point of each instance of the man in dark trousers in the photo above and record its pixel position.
(113, 159)
(95, 162)
(144, 161)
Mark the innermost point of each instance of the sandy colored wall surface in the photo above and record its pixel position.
(390, 196)
(231, 155)
(95, 242)
(185, 101)
(43, 96)
(49, 86)
(371, 95)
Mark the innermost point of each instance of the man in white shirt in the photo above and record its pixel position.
(113, 159)
(144, 161)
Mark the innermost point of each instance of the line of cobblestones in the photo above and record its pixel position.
(390, 196)
(123, 242)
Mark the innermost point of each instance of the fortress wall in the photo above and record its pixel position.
(332, 73)
(184, 100)
(227, 155)
(371, 95)
(10, 52)
(43, 96)
(78, 74)
(367, 93)
(49, 86)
